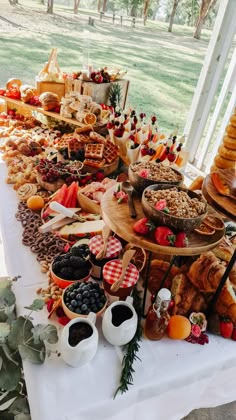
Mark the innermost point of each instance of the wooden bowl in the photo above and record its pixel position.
(62, 283)
(108, 168)
(162, 218)
(139, 183)
(73, 315)
(50, 186)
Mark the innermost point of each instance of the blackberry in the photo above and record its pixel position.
(66, 273)
(56, 267)
(77, 262)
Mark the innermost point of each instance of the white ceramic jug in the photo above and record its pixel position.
(119, 323)
(86, 349)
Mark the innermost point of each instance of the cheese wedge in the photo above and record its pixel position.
(86, 229)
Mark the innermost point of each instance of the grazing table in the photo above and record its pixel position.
(173, 378)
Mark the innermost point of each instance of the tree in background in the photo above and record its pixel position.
(50, 7)
(13, 2)
(76, 6)
(146, 5)
(172, 15)
(206, 6)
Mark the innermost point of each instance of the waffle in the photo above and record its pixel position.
(85, 138)
(63, 143)
(110, 152)
(82, 127)
(97, 137)
(74, 145)
(94, 151)
(95, 163)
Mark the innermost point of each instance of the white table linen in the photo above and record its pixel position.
(173, 378)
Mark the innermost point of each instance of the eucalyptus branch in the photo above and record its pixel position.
(131, 349)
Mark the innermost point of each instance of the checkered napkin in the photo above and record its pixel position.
(112, 271)
(114, 246)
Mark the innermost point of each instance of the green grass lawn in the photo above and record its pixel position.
(163, 68)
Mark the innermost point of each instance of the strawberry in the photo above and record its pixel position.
(234, 334)
(143, 226)
(160, 205)
(226, 328)
(164, 236)
(181, 240)
(110, 125)
(171, 156)
(98, 78)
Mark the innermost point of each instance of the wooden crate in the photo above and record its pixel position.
(98, 91)
(54, 87)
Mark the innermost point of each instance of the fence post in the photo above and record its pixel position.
(121, 18)
(133, 22)
(113, 18)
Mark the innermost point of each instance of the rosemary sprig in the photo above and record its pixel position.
(131, 349)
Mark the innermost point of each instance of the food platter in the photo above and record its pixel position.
(117, 217)
(226, 205)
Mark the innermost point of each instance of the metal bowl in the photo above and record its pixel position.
(162, 218)
(139, 183)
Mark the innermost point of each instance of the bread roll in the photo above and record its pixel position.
(196, 184)
(223, 163)
(187, 298)
(227, 153)
(231, 131)
(224, 250)
(157, 272)
(49, 101)
(27, 92)
(229, 142)
(206, 272)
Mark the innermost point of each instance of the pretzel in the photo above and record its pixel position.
(94, 151)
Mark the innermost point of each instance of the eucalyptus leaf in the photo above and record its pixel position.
(22, 416)
(9, 309)
(35, 353)
(43, 332)
(20, 332)
(20, 405)
(7, 297)
(37, 305)
(4, 331)
(3, 316)
(10, 374)
(7, 404)
(8, 353)
(5, 282)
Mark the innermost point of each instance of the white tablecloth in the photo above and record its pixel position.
(173, 378)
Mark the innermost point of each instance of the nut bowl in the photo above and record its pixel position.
(162, 218)
(165, 175)
(79, 288)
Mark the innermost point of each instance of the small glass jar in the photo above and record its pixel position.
(158, 316)
(113, 251)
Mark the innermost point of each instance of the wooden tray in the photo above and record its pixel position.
(108, 169)
(117, 217)
(226, 205)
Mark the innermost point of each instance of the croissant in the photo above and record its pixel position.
(206, 272)
(226, 303)
(157, 272)
(187, 298)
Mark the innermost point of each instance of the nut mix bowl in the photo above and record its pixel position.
(156, 173)
(190, 202)
(81, 298)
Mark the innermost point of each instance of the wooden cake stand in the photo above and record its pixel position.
(117, 218)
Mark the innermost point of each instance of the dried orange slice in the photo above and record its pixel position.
(140, 257)
(90, 118)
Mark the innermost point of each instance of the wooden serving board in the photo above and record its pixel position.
(227, 205)
(117, 217)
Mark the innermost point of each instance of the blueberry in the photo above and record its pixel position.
(86, 294)
(94, 308)
(73, 302)
(84, 308)
(72, 295)
(92, 300)
(78, 296)
(86, 301)
(96, 295)
(78, 311)
(70, 308)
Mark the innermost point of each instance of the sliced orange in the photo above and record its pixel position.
(90, 118)
(140, 257)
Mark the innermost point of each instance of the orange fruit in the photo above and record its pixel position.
(90, 118)
(179, 327)
(35, 202)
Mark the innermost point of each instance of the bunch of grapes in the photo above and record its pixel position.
(51, 172)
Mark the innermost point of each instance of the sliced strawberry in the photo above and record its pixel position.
(161, 204)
